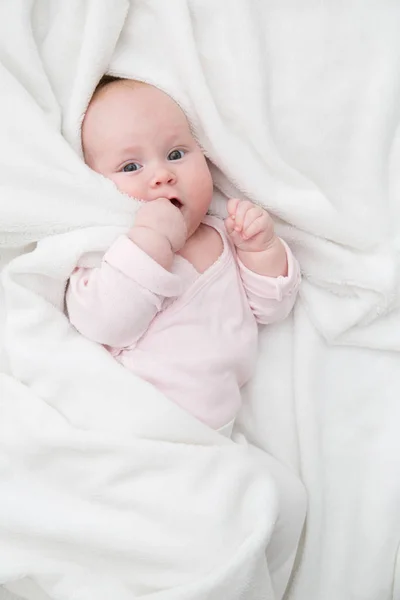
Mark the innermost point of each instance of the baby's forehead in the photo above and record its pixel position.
(104, 105)
(131, 100)
(108, 98)
(126, 109)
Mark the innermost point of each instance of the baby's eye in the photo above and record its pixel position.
(176, 154)
(130, 167)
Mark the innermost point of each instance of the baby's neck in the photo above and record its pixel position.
(203, 248)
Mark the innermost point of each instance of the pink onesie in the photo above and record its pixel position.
(192, 335)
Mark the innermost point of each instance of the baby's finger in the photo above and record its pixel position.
(232, 206)
(229, 225)
(255, 227)
(241, 211)
(252, 214)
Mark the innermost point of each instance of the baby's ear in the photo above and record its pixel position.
(232, 206)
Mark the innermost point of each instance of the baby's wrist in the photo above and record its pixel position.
(273, 242)
(271, 260)
(152, 242)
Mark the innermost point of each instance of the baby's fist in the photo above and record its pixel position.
(164, 218)
(249, 226)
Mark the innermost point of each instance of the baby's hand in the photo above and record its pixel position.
(162, 217)
(249, 226)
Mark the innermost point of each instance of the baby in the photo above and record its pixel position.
(177, 299)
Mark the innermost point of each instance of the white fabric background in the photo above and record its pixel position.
(298, 105)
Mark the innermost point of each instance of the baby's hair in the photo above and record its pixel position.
(104, 81)
(107, 80)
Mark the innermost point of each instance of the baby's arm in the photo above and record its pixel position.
(269, 271)
(271, 298)
(116, 303)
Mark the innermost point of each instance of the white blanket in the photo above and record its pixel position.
(105, 484)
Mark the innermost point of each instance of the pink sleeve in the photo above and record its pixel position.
(272, 298)
(115, 303)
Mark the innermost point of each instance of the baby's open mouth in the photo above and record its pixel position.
(176, 202)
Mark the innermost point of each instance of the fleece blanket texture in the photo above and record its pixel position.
(107, 489)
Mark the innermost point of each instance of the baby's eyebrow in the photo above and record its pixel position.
(129, 149)
(180, 137)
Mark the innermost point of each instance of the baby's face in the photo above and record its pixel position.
(138, 137)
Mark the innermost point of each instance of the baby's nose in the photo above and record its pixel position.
(163, 176)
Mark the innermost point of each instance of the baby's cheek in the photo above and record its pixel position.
(126, 185)
(201, 173)
(207, 185)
